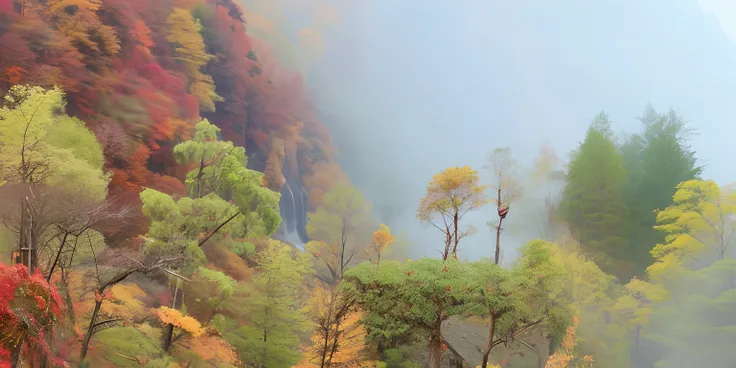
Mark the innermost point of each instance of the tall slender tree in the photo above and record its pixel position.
(593, 203)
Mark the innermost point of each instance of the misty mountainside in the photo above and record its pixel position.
(410, 87)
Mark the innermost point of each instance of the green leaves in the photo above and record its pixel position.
(656, 159)
(219, 168)
(273, 305)
(593, 203)
(40, 144)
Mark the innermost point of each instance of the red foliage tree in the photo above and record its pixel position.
(29, 307)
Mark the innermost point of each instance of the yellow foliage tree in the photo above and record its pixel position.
(125, 303)
(83, 26)
(189, 49)
(174, 317)
(693, 266)
(337, 335)
(450, 195)
(381, 239)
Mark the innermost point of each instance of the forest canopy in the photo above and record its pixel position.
(153, 157)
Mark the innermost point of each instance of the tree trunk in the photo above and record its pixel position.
(497, 257)
(15, 354)
(435, 350)
(169, 336)
(170, 327)
(489, 346)
(68, 299)
(456, 240)
(325, 348)
(90, 329)
(498, 228)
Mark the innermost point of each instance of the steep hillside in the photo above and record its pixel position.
(140, 74)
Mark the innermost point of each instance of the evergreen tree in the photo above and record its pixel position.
(593, 203)
(273, 304)
(656, 160)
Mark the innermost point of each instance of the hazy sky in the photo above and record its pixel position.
(725, 10)
(410, 87)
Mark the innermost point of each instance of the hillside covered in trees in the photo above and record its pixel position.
(169, 198)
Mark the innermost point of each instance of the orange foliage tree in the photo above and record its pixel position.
(381, 239)
(565, 356)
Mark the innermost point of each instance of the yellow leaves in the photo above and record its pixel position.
(451, 194)
(189, 49)
(351, 346)
(86, 5)
(565, 356)
(696, 223)
(77, 19)
(337, 334)
(639, 301)
(453, 188)
(124, 302)
(186, 323)
(456, 183)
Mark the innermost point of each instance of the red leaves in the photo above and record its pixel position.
(27, 306)
(6, 6)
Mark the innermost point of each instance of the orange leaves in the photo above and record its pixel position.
(565, 357)
(14, 74)
(186, 323)
(142, 34)
(323, 176)
(211, 349)
(274, 164)
(381, 239)
(338, 337)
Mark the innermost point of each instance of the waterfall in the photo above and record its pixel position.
(293, 215)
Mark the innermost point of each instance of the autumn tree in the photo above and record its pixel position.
(381, 240)
(28, 306)
(108, 267)
(656, 159)
(337, 335)
(592, 203)
(684, 307)
(565, 356)
(451, 194)
(504, 168)
(338, 229)
(592, 296)
(272, 302)
(189, 50)
(339, 233)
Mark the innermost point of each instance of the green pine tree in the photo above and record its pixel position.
(593, 203)
(273, 304)
(656, 160)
